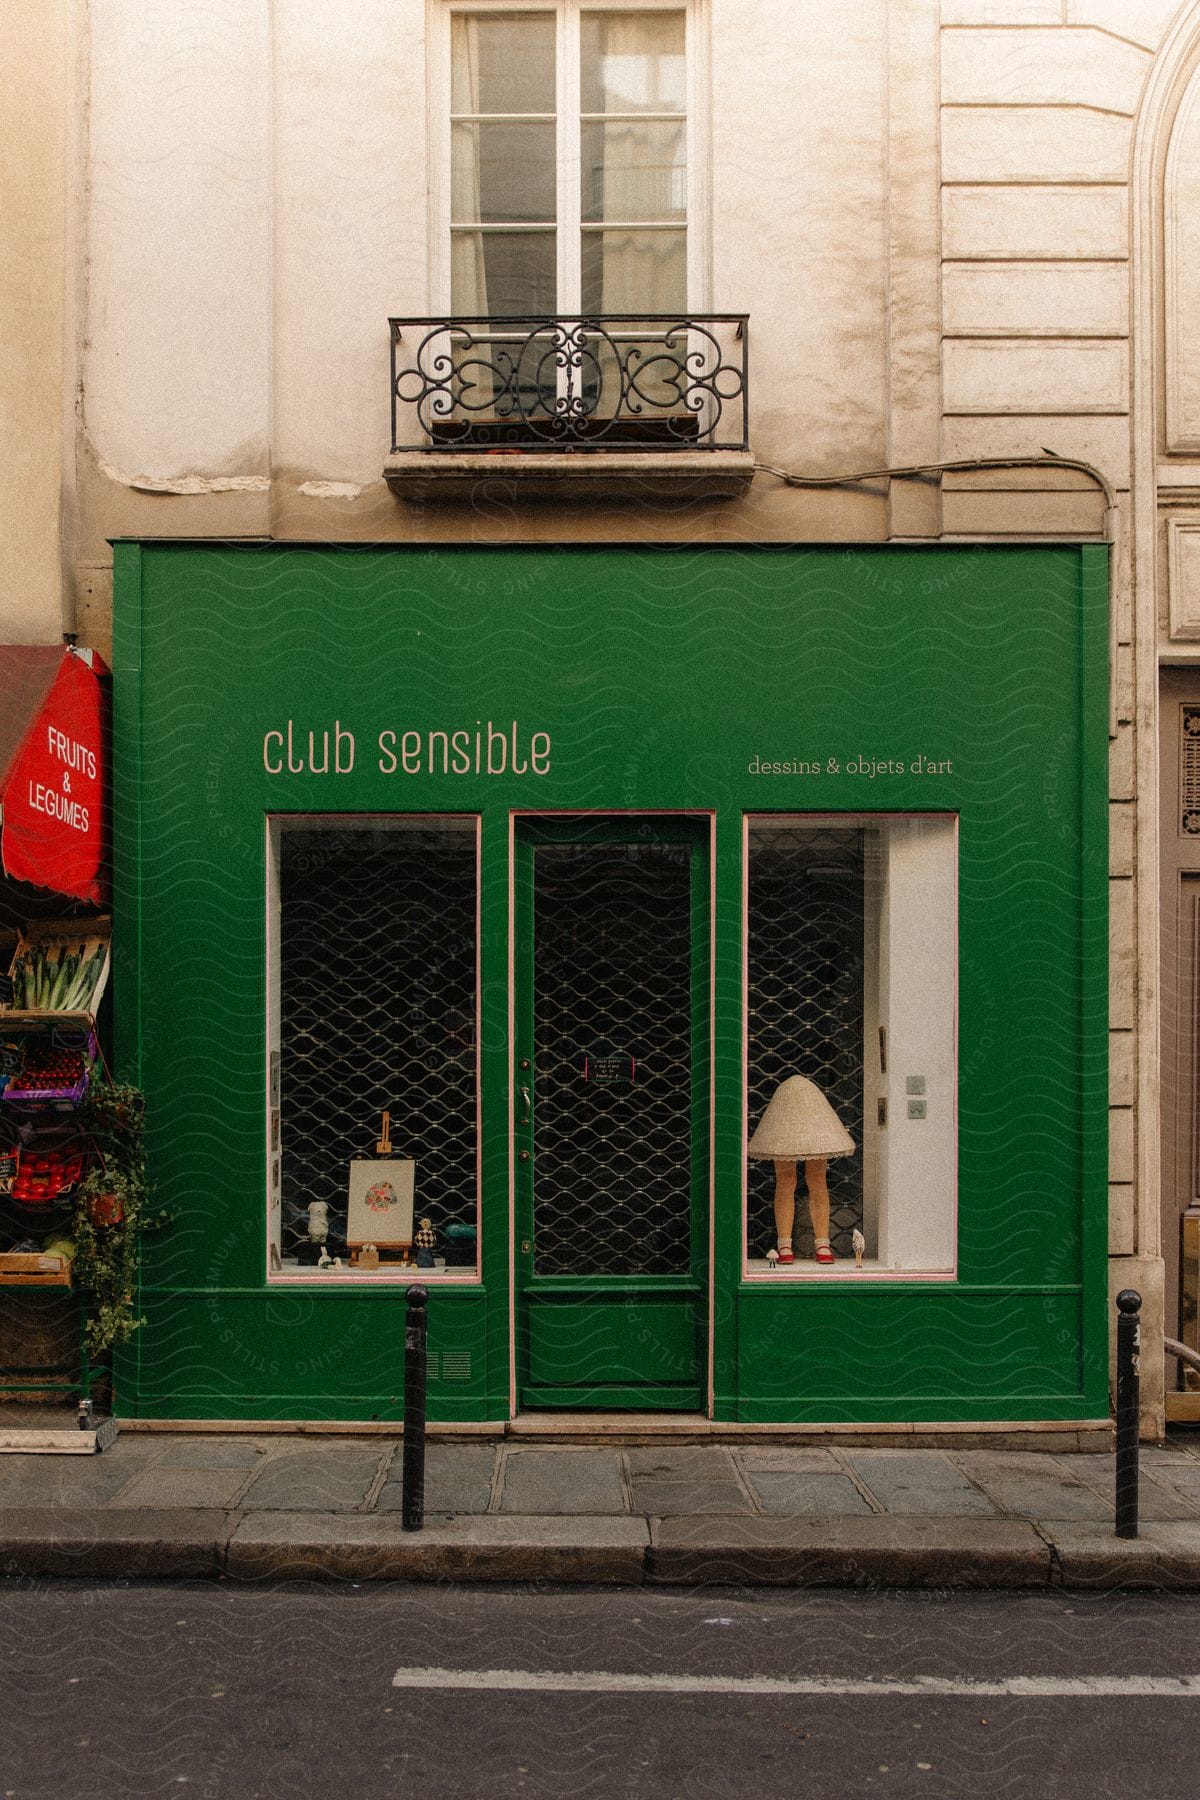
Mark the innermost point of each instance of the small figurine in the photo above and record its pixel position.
(459, 1237)
(324, 1261)
(772, 1258)
(860, 1243)
(318, 1221)
(426, 1242)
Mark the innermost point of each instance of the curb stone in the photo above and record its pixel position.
(854, 1551)
(117, 1545)
(496, 1547)
(915, 1551)
(1165, 1556)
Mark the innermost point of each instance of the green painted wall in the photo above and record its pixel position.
(658, 676)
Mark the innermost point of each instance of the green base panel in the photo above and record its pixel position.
(614, 1399)
(329, 1408)
(932, 1410)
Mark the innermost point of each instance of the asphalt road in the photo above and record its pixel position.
(236, 1693)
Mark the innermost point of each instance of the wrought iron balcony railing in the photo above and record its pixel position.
(653, 382)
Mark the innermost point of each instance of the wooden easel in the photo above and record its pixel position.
(402, 1247)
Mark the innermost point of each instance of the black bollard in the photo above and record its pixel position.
(412, 1483)
(1129, 1342)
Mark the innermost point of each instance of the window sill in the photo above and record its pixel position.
(571, 476)
(386, 1275)
(757, 1271)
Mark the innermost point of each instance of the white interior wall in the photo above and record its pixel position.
(918, 1006)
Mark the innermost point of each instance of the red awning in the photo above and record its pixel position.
(53, 729)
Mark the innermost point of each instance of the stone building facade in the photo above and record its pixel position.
(964, 232)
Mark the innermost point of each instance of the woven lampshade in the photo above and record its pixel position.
(799, 1122)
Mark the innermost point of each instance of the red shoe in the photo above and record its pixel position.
(786, 1253)
(825, 1254)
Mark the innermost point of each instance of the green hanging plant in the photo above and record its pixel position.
(113, 1210)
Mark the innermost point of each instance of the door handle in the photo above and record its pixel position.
(524, 1093)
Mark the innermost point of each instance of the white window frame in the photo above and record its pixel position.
(568, 161)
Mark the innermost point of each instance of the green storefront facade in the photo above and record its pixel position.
(567, 858)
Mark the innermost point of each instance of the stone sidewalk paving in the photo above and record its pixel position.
(310, 1474)
(258, 1505)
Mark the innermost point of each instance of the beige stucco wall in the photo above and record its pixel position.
(36, 50)
(259, 207)
(923, 208)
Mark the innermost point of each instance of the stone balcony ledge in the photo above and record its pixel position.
(573, 476)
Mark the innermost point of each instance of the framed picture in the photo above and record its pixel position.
(379, 1207)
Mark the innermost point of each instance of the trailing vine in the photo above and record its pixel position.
(113, 1209)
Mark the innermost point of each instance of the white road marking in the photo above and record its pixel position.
(607, 1681)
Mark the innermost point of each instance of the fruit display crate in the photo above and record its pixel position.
(47, 1167)
(58, 960)
(27, 1268)
(55, 1070)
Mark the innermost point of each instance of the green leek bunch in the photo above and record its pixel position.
(57, 978)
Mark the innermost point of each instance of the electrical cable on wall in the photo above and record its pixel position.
(975, 465)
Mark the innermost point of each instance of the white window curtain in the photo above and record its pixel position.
(637, 168)
(469, 269)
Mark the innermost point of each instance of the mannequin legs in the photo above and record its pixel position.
(818, 1197)
(785, 1198)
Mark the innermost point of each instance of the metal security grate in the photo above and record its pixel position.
(377, 975)
(1189, 771)
(806, 927)
(612, 1059)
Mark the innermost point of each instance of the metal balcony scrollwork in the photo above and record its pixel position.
(652, 382)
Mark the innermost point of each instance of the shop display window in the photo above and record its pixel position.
(851, 1027)
(372, 1085)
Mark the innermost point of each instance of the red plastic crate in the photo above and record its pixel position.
(46, 1175)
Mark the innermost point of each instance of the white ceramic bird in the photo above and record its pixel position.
(860, 1244)
(772, 1258)
(324, 1261)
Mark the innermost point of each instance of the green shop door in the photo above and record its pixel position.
(611, 1112)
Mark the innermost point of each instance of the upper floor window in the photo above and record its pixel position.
(568, 149)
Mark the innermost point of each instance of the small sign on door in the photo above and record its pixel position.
(606, 1070)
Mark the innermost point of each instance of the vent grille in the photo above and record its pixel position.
(377, 973)
(805, 1003)
(1189, 771)
(612, 984)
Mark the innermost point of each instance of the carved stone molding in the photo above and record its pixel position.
(1181, 247)
(1183, 579)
